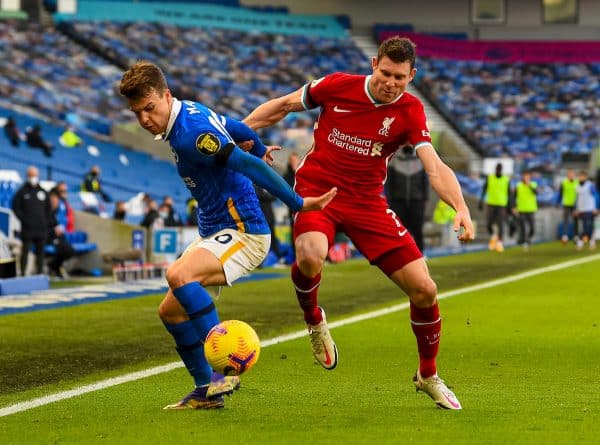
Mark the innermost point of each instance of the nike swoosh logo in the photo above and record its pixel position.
(341, 110)
(327, 356)
(449, 399)
(403, 232)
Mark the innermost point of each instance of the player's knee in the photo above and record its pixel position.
(177, 275)
(424, 293)
(163, 312)
(310, 265)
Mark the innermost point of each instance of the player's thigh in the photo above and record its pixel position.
(314, 232)
(376, 230)
(196, 264)
(234, 254)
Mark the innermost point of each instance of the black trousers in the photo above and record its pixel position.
(525, 234)
(496, 215)
(38, 243)
(64, 251)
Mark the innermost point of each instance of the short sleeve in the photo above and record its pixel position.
(317, 92)
(204, 141)
(419, 132)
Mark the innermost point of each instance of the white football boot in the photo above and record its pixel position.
(323, 347)
(435, 388)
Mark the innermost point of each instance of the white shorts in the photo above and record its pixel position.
(238, 252)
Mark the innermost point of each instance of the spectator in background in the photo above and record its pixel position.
(64, 212)
(120, 210)
(525, 206)
(444, 215)
(12, 132)
(32, 206)
(165, 215)
(567, 198)
(292, 166)
(586, 208)
(70, 139)
(91, 183)
(407, 190)
(496, 192)
(33, 137)
(56, 237)
(151, 214)
(172, 219)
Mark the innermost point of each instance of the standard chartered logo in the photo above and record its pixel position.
(355, 144)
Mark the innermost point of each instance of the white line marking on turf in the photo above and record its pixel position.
(40, 401)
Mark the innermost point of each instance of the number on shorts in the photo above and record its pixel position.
(224, 238)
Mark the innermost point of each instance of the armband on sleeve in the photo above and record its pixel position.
(223, 154)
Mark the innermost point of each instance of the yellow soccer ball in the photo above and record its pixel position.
(232, 347)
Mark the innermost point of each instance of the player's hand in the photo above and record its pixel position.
(246, 145)
(268, 157)
(463, 220)
(320, 202)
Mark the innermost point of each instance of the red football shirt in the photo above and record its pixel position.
(355, 136)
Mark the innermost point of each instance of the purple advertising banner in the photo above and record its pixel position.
(502, 51)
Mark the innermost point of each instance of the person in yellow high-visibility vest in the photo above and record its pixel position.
(525, 199)
(496, 191)
(567, 198)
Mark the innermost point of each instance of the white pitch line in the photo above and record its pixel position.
(103, 384)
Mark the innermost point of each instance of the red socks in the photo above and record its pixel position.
(426, 325)
(306, 292)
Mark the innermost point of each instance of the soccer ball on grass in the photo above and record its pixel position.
(232, 347)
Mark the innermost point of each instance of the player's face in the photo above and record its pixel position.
(389, 79)
(153, 111)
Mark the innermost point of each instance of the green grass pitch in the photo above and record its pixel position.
(522, 357)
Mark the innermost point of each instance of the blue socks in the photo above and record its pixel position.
(190, 335)
(199, 306)
(191, 350)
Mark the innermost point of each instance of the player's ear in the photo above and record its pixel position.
(413, 72)
(374, 63)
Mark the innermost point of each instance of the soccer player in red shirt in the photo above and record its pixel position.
(363, 121)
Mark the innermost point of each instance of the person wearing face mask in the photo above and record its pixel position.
(32, 206)
(172, 218)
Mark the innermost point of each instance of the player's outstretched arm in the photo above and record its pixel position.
(262, 175)
(444, 182)
(319, 202)
(274, 110)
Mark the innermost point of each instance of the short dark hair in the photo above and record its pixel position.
(397, 49)
(141, 80)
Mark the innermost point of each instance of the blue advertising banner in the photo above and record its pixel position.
(208, 15)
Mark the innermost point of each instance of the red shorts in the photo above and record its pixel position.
(372, 226)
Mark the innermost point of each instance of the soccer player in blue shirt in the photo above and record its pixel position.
(234, 236)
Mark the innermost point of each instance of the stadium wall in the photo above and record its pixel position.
(524, 19)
